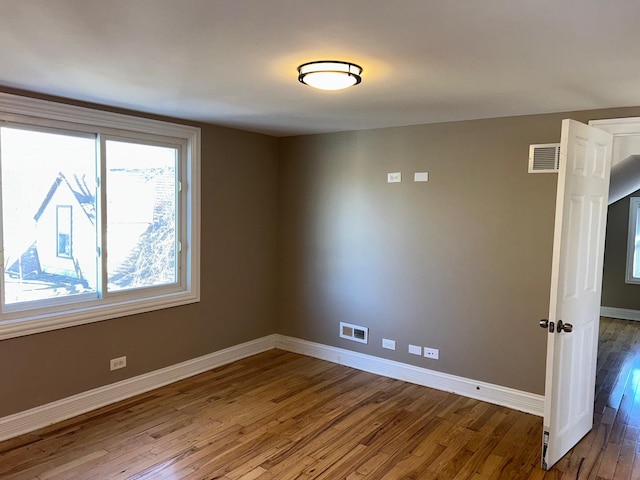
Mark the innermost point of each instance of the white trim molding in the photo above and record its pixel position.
(45, 415)
(42, 416)
(487, 392)
(621, 313)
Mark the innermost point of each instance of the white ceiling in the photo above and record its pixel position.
(233, 62)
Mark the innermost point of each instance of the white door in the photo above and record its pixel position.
(576, 285)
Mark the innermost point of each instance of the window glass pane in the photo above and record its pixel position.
(141, 215)
(49, 214)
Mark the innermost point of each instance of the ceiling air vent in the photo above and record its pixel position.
(544, 158)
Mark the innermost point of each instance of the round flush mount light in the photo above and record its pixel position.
(329, 74)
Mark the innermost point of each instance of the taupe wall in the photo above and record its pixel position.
(615, 292)
(461, 263)
(238, 271)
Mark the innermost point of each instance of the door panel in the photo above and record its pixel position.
(576, 284)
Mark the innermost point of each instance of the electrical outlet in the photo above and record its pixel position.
(432, 353)
(415, 349)
(388, 344)
(117, 363)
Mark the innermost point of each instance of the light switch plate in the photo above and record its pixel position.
(421, 177)
(415, 349)
(395, 177)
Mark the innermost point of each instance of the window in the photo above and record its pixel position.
(633, 246)
(98, 218)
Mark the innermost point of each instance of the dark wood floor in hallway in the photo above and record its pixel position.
(284, 416)
(612, 449)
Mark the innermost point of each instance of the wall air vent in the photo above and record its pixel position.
(354, 332)
(544, 158)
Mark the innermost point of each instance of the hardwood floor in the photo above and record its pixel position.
(284, 416)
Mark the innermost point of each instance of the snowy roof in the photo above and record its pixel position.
(80, 190)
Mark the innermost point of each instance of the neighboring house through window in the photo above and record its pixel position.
(100, 215)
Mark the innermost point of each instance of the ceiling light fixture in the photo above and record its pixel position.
(329, 74)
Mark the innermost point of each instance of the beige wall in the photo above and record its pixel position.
(239, 181)
(461, 263)
(615, 292)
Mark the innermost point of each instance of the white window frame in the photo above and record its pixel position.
(16, 109)
(634, 206)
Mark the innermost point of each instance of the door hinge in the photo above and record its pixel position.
(545, 447)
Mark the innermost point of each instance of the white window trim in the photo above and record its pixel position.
(634, 206)
(14, 108)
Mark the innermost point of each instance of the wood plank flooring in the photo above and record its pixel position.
(284, 416)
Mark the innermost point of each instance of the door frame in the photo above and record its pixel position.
(620, 127)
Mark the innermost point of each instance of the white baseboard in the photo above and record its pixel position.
(487, 392)
(42, 416)
(622, 313)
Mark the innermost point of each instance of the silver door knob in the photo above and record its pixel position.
(567, 327)
(546, 324)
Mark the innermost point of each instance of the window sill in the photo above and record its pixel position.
(45, 322)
